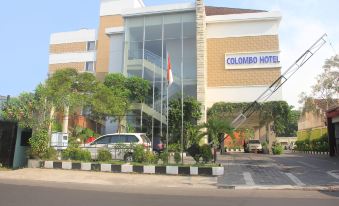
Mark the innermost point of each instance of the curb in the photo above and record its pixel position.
(312, 153)
(127, 168)
(279, 187)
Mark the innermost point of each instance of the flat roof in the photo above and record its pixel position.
(213, 10)
(167, 8)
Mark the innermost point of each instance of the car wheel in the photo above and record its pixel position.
(128, 158)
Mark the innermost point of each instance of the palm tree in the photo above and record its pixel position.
(216, 130)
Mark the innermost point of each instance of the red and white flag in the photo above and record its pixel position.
(169, 71)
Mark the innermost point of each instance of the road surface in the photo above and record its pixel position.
(25, 193)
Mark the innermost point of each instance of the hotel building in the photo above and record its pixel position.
(218, 54)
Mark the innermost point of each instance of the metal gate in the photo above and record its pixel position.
(8, 133)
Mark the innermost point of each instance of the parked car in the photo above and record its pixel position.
(120, 145)
(253, 145)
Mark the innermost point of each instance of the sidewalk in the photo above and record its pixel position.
(114, 179)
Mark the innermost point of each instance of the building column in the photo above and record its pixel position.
(201, 58)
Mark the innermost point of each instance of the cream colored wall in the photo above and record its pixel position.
(311, 120)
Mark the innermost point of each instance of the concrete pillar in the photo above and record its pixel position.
(201, 58)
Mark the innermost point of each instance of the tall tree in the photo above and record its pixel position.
(216, 131)
(68, 90)
(327, 85)
(119, 94)
(192, 113)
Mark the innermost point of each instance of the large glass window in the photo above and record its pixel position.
(148, 42)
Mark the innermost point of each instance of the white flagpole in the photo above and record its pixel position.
(182, 92)
(167, 117)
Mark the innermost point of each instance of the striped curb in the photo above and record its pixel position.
(235, 150)
(140, 169)
(312, 152)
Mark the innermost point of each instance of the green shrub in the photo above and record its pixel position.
(174, 147)
(50, 154)
(39, 143)
(76, 154)
(177, 157)
(164, 157)
(206, 153)
(104, 155)
(139, 154)
(150, 158)
(195, 152)
(85, 156)
(277, 149)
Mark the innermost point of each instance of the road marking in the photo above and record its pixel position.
(334, 173)
(307, 165)
(295, 179)
(248, 179)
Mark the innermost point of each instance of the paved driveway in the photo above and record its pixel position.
(291, 169)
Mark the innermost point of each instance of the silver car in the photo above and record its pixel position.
(120, 145)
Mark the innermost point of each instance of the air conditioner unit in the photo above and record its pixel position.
(59, 140)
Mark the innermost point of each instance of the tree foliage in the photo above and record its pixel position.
(30, 110)
(275, 111)
(114, 97)
(192, 113)
(69, 88)
(216, 130)
(327, 83)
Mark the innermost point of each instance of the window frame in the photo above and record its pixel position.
(93, 67)
(88, 46)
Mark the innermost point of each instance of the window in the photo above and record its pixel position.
(91, 46)
(254, 142)
(103, 140)
(131, 139)
(89, 67)
(118, 139)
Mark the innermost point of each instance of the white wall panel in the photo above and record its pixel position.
(239, 29)
(72, 57)
(237, 94)
(113, 7)
(116, 53)
(82, 35)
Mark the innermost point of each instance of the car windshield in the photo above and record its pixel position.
(254, 142)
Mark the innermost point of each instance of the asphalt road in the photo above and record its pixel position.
(290, 169)
(66, 194)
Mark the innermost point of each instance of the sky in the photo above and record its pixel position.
(25, 28)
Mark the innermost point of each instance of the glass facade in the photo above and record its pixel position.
(149, 40)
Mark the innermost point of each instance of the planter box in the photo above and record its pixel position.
(116, 168)
(57, 165)
(184, 171)
(32, 163)
(126, 168)
(86, 166)
(48, 165)
(205, 171)
(138, 169)
(160, 170)
(149, 169)
(76, 166)
(67, 165)
(218, 171)
(105, 168)
(194, 170)
(172, 170)
(95, 167)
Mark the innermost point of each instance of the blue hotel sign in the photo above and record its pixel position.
(252, 60)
